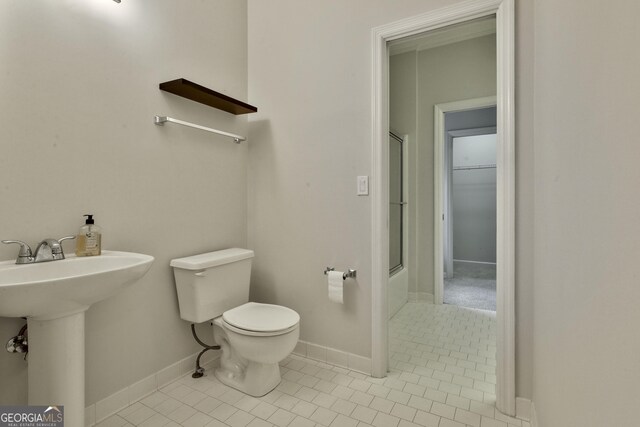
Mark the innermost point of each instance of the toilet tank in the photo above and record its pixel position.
(211, 283)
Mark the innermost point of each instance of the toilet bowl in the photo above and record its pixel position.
(253, 337)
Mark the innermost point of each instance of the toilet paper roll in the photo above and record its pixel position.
(336, 286)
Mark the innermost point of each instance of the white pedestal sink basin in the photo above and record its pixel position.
(54, 296)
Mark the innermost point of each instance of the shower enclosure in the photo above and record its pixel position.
(396, 203)
(398, 290)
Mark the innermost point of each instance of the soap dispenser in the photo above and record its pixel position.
(89, 238)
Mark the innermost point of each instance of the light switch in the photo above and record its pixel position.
(363, 185)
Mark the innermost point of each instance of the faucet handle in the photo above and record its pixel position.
(58, 253)
(66, 238)
(25, 250)
(24, 255)
(56, 247)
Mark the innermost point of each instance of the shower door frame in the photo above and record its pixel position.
(505, 89)
(403, 202)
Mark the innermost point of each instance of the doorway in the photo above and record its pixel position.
(505, 171)
(470, 215)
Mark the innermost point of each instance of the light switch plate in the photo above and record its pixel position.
(363, 186)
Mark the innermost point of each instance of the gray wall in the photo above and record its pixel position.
(524, 253)
(474, 199)
(448, 73)
(403, 91)
(587, 213)
(79, 92)
(309, 72)
(479, 118)
(483, 246)
(302, 217)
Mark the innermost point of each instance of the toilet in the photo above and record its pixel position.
(254, 337)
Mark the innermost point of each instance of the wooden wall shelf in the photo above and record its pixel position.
(206, 96)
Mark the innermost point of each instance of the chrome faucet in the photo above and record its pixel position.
(47, 250)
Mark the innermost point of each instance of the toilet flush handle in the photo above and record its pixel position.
(202, 273)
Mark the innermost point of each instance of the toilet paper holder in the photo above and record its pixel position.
(351, 274)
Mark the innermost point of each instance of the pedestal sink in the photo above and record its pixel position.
(54, 296)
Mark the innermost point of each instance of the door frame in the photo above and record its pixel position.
(505, 316)
(441, 200)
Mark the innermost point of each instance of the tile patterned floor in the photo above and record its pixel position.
(473, 285)
(442, 375)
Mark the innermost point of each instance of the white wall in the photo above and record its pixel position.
(587, 214)
(79, 91)
(309, 72)
(310, 75)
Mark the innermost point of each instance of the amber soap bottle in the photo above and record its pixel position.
(89, 239)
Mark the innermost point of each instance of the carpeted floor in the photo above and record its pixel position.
(472, 285)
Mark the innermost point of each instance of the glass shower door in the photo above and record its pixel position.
(396, 205)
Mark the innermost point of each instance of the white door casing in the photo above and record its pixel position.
(505, 170)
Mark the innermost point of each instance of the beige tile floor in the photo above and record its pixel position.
(442, 375)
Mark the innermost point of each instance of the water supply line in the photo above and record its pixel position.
(199, 372)
(19, 343)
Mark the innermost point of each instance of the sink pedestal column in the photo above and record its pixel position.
(56, 365)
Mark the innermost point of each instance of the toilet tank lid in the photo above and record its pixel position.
(211, 259)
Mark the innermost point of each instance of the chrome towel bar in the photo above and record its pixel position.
(161, 120)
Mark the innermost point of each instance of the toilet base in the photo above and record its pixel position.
(242, 365)
(256, 379)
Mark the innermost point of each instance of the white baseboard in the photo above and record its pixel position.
(334, 357)
(526, 411)
(534, 416)
(112, 404)
(523, 408)
(95, 413)
(122, 398)
(420, 297)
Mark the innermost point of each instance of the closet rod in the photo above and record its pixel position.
(464, 168)
(161, 120)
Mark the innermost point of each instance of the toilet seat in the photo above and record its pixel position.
(257, 319)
